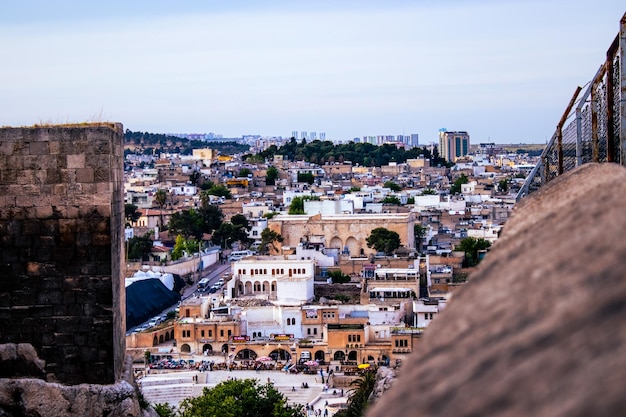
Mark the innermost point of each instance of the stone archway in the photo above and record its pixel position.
(155, 340)
(353, 355)
(319, 356)
(185, 348)
(336, 243)
(280, 355)
(207, 348)
(245, 354)
(353, 246)
(339, 356)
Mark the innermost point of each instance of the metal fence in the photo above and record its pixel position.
(593, 126)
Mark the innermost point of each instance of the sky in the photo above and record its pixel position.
(502, 70)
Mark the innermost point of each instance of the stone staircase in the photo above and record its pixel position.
(175, 387)
(301, 396)
(167, 390)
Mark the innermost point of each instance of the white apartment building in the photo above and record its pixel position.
(281, 281)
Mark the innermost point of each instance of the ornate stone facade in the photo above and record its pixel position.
(344, 231)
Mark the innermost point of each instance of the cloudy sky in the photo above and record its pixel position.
(503, 70)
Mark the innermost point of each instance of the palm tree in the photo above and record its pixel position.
(160, 198)
(420, 232)
(359, 397)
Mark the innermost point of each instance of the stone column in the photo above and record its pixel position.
(61, 248)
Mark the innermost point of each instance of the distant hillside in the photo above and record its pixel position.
(150, 143)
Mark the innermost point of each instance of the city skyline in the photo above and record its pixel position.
(502, 71)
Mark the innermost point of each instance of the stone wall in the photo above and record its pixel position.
(61, 248)
(340, 231)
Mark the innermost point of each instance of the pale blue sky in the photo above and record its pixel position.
(501, 70)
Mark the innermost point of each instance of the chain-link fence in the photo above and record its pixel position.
(593, 126)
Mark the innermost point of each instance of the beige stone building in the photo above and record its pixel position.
(344, 231)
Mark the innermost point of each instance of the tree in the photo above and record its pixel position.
(211, 217)
(188, 223)
(471, 246)
(296, 206)
(383, 240)
(239, 398)
(392, 186)
(179, 247)
(139, 247)
(456, 186)
(271, 175)
(160, 198)
(306, 177)
(338, 277)
(429, 191)
(503, 186)
(420, 232)
(229, 233)
(391, 199)
(131, 214)
(164, 410)
(220, 191)
(194, 177)
(240, 220)
(244, 172)
(358, 400)
(268, 238)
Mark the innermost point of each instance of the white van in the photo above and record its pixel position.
(239, 254)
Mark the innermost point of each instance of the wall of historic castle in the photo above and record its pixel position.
(61, 247)
(341, 231)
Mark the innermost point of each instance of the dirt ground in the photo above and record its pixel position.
(345, 293)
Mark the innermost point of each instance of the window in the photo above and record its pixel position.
(187, 313)
(210, 333)
(401, 343)
(201, 333)
(230, 333)
(315, 330)
(221, 333)
(288, 322)
(308, 331)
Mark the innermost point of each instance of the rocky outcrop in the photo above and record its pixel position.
(539, 329)
(385, 377)
(38, 398)
(20, 360)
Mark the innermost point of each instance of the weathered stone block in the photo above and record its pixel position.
(39, 148)
(85, 175)
(76, 161)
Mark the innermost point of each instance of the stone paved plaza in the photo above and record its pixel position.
(173, 387)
